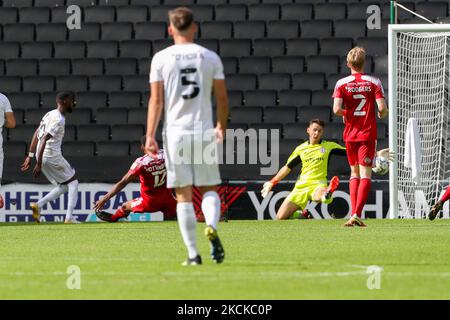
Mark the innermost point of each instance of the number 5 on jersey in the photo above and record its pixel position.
(186, 82)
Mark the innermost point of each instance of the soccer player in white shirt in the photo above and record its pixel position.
(47, 142)
(7, 120)
(182, 78)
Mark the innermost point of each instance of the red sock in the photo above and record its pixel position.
(363, 193)
(120, 213)
(354, 184)
(446, 195)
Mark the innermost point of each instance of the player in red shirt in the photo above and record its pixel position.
(154, 194)
(355, 99)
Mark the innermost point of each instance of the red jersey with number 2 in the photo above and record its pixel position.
(359, 92)
(152, 175)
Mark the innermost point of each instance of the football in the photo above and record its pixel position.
(381, 166)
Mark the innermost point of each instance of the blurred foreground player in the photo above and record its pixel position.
(47, 141)
(7, 120)
(154, 194)
(437, 207)
(182, 78)
(355, 99)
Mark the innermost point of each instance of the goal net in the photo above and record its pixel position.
(418, 94)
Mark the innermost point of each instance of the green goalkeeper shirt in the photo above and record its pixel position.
(314, 160)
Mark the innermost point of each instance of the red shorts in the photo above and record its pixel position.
(166, 204)
(361, 152)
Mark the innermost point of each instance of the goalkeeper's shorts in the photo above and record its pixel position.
(302, 193)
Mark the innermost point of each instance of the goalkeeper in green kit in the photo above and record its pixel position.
(311, 185)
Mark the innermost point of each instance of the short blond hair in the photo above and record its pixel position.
(357, 57)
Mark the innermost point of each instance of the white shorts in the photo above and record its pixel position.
(191, 161)
(57, 170)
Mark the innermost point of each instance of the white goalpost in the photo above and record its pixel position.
(419, 68)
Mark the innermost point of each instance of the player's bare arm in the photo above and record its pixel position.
(38, 167)
(10, 120)
(126, 179)
(155, 106)
(382, 108)
(220, 92)
(282, 173)
(338, 107)
(31, 151)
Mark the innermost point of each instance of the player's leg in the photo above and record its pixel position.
(72, 188)
(286, 209)
(437, 207)
(352, 157)
(324, 194)
(297, 199)
(2, 203)
(122, 212)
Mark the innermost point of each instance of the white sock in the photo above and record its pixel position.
(211, 208)
(52, 195)
(73, 198)
(187, 222)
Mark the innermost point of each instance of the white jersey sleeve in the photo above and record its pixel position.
(156, 69)
(218, 67)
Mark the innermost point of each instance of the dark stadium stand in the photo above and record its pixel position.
(282, 59)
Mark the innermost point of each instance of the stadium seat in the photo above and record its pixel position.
(280, 114)
(246, 115)
(70, 50)
(323, 64)
(22, 133)
(401, 14)
(230, 65)
(135, 49)
(71, 83)
(127, 100)
(158, 13)
(88, 67)
(117, 31)
(263, 12)
(135, 149)
(210, 44)
(17, 148)
(212, 2)
(302, 47)
(290, 65)
(305, 114)
(9, 50)
(37, 50)
(18, 32)
(18, 3)
(78, 149)
(350, 29)
(80, 116)
(335, 46)
(34, 15)
(10, 84)
(357, 11)
(19, 115)
(55, 67)
(293, 131)
(49, 3)
(8, 15)
(89, 32)
(294, 97)
(322, 98)
(120, 66)
(59, 14)
(381, 64)
(334, 131)
(93, 132)
(287, 146)
(275, 81)
(102, 49)
(99, 14)
(333, 78)
(134, 14)
(216, 30)
(308, 81)
(204, 13)
(81, 3)
(374, 46)
(112, 149)
(145, 2)
(235, 48)
(34, 116)
(260, 98)
(48, 99)
(127, 132)
(268, 47)
(150, 30)
(432, 9)
(159, 45)
(231, 12)
(235, 98)
(2, 68)
(144, 66)
(114, 3)
(241, 82)
(111, 116)
(316, 29)
(283, 29)
(329, 11)
(255, 65)
(51, 32)
(24, 100)
(297, 11)
(177, 2)
(249, 29)
(105, 83)
(137, 116)
(91, 100)
(135, 83)
(21, 67)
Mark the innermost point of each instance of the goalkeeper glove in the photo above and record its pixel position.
(268, 186)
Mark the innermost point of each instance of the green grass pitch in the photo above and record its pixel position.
(315, 259)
